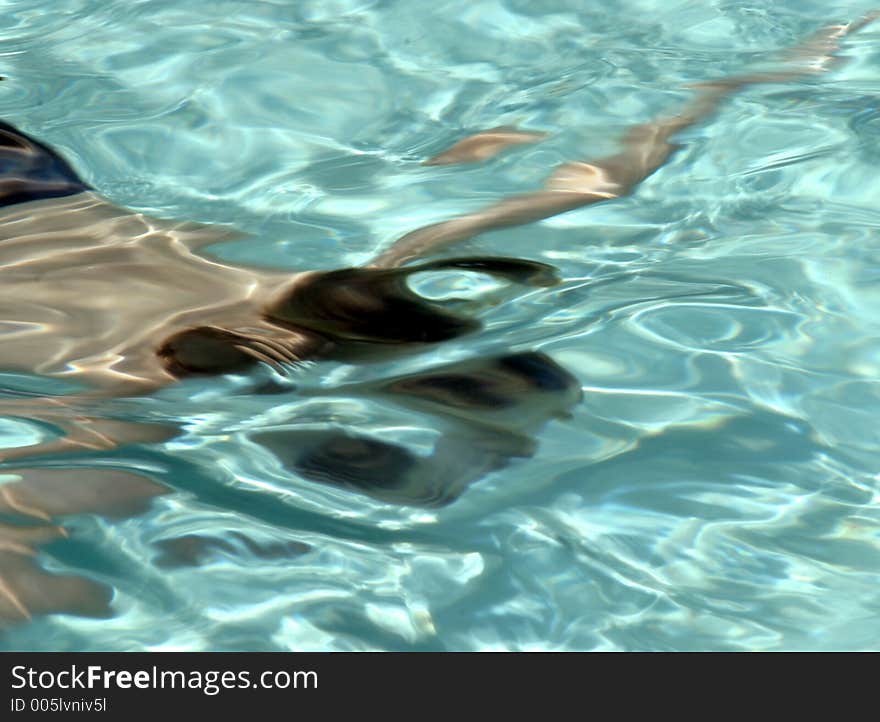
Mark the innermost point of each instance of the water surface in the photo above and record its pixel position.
(716, 487)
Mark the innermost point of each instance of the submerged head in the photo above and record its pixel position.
(208, 350)
(349, 314)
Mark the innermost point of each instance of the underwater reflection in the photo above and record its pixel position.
(488, 412)
(488, 409)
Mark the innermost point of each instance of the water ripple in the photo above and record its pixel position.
(716, 487)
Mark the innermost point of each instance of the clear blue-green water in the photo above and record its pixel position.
(717, 486)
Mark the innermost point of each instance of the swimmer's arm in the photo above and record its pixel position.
(483, 146)
(645, 148)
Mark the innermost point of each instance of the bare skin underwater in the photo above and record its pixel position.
(126, 304)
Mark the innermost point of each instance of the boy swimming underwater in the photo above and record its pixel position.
(126, 304)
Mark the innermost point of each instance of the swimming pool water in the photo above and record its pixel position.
(716, 488)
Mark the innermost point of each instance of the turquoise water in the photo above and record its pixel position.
(717, 486)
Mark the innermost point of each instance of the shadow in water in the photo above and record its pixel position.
(486, 411)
